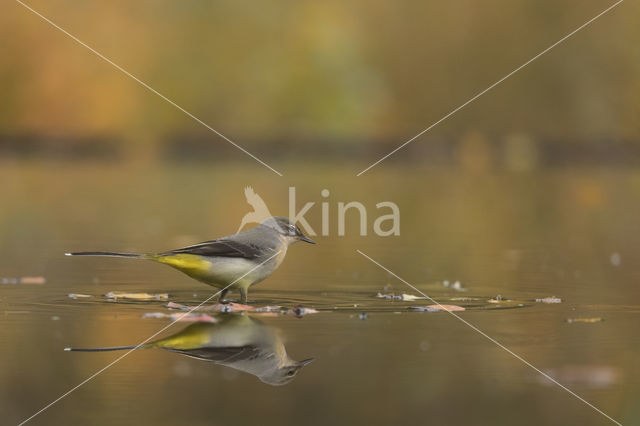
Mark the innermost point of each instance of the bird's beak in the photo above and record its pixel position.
(307, 239)
(305, 362)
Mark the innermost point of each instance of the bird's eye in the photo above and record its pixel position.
(292, 228)
(291, 373)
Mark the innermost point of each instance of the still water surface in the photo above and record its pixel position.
(570, 234)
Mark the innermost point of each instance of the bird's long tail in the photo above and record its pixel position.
(113, 348)
(106, 253)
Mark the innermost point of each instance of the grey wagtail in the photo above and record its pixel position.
(236, 341)
(244, 259)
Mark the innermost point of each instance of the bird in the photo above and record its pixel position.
(235, 262)
(237, 341)
(260, 210)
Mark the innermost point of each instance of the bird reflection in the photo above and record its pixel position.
(237, 341)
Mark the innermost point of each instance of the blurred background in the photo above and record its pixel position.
(293, 80)
(530, 192)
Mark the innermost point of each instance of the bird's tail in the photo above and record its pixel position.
(113, 348)
(105, 253)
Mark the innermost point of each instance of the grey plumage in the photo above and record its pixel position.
(236, 341)
(235, 262)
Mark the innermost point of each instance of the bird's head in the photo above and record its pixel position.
(287, 229)
(283, 375)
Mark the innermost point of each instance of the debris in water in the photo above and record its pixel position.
(388, 296)
(436, 308)
(363, 316)
(269, 309)
(136, 296)
(422, 309)
(405, 297)
(55, 318)
(587, 320)
(174, 305)
(300, 311)
(551, 299)
(498, 299)
(33, 280)
(155, 315)
(25, 280)
(191, 317)
(216, 307)
(79, 296)
(411, 297)
(461, 299)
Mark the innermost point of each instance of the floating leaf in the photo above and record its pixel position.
(435, 308)
(404, 297)
(587, 320)
(136, 296)
(79, 296)
(411, 297)
(25, 280)
(551, 299)
(33, 280)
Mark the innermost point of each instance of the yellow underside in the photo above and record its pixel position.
(192, 337)
(196, 267)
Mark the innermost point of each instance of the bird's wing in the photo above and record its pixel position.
(221, 247)
(222, 354)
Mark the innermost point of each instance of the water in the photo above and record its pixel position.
(572, 234)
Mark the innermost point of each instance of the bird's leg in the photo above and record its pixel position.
(243, 295)
(223, 293)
